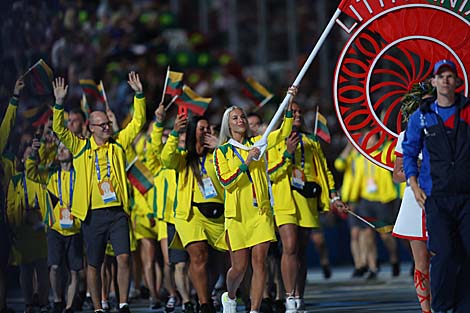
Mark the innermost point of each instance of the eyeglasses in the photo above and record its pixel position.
(103, 125)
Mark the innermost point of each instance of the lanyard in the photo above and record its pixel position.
(72, 171)
(203, 168)
(97, 165)
(247, 172)
(243, 161)
(302, 153)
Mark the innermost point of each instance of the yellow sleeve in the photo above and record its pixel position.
(72, 142)
(172, 157)
(12, 205)
(228, 178)
(7, 123)
(279, 165)
(324, 166)
(33, 173)
(128, 134)
(283, 132)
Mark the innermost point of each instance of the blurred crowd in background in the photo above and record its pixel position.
(215, 43)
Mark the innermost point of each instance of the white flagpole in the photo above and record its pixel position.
(361, 219)
(30, 69)
(262, 143)
(171, 102)
(105, 98)
(164, 84)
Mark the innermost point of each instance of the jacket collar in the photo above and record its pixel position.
(94, 145)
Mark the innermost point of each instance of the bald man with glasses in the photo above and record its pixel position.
(100, 198)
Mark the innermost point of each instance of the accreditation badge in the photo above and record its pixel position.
(66, 218)
(107, 191)
(371, 186)
(298, 178)
(207, 188)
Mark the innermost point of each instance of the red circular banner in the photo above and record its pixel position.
(382, 59)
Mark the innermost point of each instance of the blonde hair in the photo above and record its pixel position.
(225, 133)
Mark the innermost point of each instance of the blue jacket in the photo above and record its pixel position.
(445, 143)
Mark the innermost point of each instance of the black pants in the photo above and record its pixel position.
(448, 225)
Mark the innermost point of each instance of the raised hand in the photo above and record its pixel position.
(160, 113)
(210, 141)
(180, 122)
(134, 82)
(60, 90)
(19, 85)
(293, 91)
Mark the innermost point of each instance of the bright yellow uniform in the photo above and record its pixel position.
(350, 188)
(190, 222)
(111, 161)
(25, 217)
(308, 165)
(248, 211)
(54, 179)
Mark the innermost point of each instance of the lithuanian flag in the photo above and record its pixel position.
(173, 83)
(91, 90)
(40, 78)
(139, 176)
(192, 101)
(321, 127)
(256, 92)
(37, 116)
(85, 106)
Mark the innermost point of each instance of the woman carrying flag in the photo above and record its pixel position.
(249, 221)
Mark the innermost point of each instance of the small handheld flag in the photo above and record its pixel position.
(321, 127)
(256, 92)
(91, 90)
(192, 101)
(40, 78)
(379, 226)
(85, 106)
(140, 176)
(173, 83)
(37, 116)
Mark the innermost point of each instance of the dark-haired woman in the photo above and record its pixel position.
(199, 218)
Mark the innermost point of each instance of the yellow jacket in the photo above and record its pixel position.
(50, 178)
(82, 150)
(350, 188)
(232, 173)
(375, 182)
(174, 158)
(7, 163)
(315, 170)
(16, 200)
(162, 197)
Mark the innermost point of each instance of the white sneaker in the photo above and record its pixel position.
(291, 305)
(229, 305)
(300, 305)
